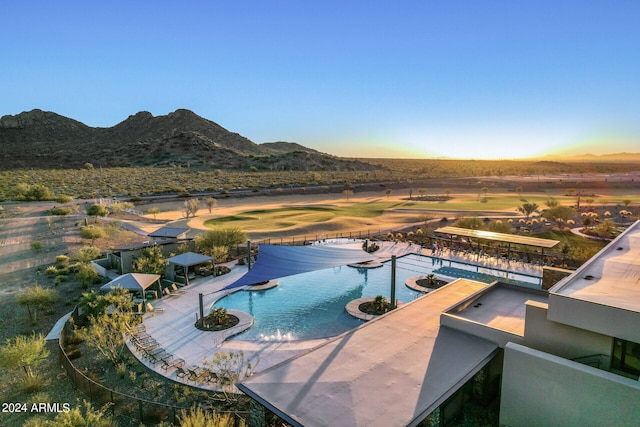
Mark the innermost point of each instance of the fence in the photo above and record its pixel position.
(123, 405)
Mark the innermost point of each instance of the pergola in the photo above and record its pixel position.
(509, 239)
(134, 282)
(186, 260)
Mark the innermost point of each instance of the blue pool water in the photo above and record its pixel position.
(312, 305)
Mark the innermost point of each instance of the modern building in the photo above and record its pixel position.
(476, 353)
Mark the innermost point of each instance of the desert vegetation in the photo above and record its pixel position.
(60, 184)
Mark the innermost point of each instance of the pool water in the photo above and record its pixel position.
(312, 305)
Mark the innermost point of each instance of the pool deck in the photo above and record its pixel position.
(172, 326)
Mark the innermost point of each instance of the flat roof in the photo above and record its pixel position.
(394, 370)
(501, 307)
(611, 277)
(499, 237)
(173, 232)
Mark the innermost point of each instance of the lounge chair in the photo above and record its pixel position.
(152, 310)
(174, 289)
(180, 372)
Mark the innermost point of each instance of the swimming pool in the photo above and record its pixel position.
(312, 305)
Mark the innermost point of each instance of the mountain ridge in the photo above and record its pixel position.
(44, 139)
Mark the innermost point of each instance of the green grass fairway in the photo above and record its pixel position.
(277, 219)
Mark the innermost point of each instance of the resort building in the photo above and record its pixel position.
(477, 352)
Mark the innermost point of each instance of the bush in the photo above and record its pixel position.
(62, 261)
(51, 270)
(60, 211)
(36, 246)
(32, 384)
(60, 279)
(63, 198)
(63, 272)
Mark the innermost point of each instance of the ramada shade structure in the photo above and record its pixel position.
(134, 282)
(186, 260)
(509, 239)
(282, 261)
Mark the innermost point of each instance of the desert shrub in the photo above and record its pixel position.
(61, 278)
(63, 198)
(62, 261)
(121, 369)
(63, 272)
(36, 245)
(60, 211)
(51, 270)
(87, 253)
(32, 384)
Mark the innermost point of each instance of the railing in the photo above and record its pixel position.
(122, 404)
(599, 361)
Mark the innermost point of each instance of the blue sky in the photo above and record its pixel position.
(466, 79)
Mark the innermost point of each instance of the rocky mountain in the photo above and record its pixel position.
(41, 139)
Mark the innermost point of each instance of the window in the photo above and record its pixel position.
(626, 357)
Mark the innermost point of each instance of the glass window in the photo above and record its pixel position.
(626, 357)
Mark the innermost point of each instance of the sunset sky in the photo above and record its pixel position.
(463, 79)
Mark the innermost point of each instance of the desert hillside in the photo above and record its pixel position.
(41, 139)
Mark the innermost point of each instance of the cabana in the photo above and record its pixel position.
(133, 282)
(186, 260)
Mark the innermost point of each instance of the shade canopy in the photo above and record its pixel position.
(188, 259)
(499, 237)
(132, 281)
(282, 261)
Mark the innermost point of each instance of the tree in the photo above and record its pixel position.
(527, 209)
(36, 298)
(153, 211)
(97, 210)
(388, 192)
(93, 232)
(24, 352)
(519, 191)
(87, 253)
(606, 229)
(499, 226)
(347, 193)
(559, 214)
(484, 190)
(106, 331)
(151, 261)
(230, 368)
(211, 203)
(86, 274)
(226, 238)
(472, 222)
(551, 202)
(191, 207)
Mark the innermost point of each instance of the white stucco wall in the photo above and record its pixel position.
(560, 339)
(539, 389)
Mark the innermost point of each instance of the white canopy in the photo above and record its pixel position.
(282, 261)
(188, 259)
(132, 281)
